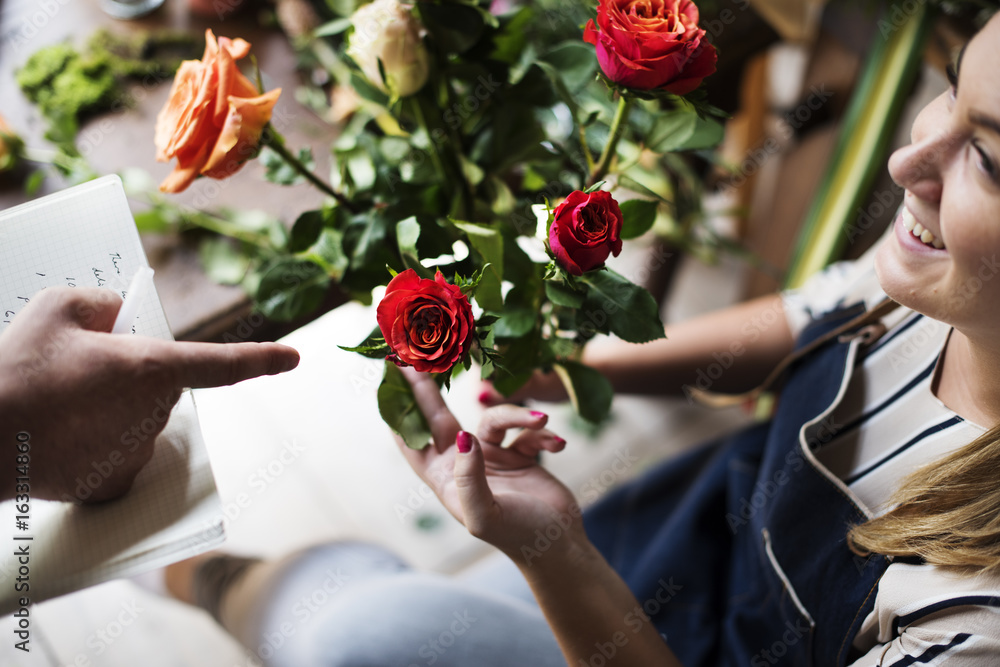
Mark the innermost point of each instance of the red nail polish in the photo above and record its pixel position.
(559, 440)
(464, 442)
(538, 415)
(485, 397)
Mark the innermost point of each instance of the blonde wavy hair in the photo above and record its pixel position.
(947, 512)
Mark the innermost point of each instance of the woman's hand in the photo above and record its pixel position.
(505, 498)
(500, 494)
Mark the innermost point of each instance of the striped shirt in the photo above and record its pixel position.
(888, 424)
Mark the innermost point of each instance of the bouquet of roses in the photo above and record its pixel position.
(471, 178)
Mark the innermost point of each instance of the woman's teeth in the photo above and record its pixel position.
(911, 225)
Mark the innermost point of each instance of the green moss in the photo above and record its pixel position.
(42, 67)
(69, 85)
(86, 86)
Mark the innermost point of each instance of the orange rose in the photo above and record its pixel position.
(10, 146)
(214, 118)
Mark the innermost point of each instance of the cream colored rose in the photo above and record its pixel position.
(387, 30)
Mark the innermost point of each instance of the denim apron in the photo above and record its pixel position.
(737, 551)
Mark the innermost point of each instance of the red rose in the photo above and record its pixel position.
(649, 44)
(427, 323)
(586, 229)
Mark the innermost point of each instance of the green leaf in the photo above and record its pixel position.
(278, 171)
(407, 235)
(488, 242)
(595, 187)
(509, 43)
(454, 27)
(708, 133)
(562, 294)
(399, 409)
(290, 289)
(629, 311)
(589, 391)
(639, 216)
(306, 231)
(671, 130)
(575, 63)
(372, 347)
(491, 359)
(360, 168)
(367, 91)
(369, 245)
(683, 130)
(151, 221)
(343, 7)
(515, 322)
(328, 252)
(34, 182)
(223, 263)
(334, 27)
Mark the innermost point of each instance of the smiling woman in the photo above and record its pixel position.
(941, 261)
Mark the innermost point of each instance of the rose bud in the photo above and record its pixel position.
(651, 45)
(586, 229)
(387, 31)
(427, 323)
(213, 121)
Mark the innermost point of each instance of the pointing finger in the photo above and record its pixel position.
(215, 365)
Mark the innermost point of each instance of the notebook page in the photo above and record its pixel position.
(86, 237)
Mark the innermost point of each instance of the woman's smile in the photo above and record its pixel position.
(918, 231)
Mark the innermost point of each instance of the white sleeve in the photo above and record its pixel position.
(957, 637)
(926, 615)
(839, 284)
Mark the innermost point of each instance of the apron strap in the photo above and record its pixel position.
(869, 325)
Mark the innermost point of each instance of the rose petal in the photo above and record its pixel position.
(240, 136)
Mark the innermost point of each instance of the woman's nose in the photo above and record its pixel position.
(919, 167)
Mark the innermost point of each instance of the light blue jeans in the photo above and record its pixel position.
(357, 605)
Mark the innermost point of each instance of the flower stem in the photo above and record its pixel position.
(618, 126)
(449, 165)
(224, 227)
(586, 150)
(276, 143)
(60, 160)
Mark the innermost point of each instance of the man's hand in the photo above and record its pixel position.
(88, 398)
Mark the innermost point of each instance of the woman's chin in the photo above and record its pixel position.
(894, 277)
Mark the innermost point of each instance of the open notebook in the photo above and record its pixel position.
(85, 236)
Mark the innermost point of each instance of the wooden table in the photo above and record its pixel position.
(196, 308)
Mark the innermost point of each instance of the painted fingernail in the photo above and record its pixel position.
(538, 415)
(464, 442)
(485, 397)
(559, 440)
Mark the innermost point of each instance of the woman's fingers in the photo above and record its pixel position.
(479, 510)
(530, 443)
(444, 427)
(499, 419)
